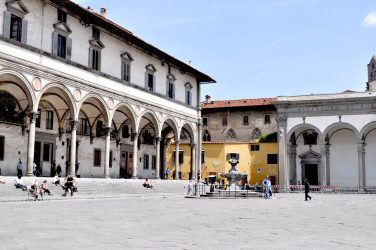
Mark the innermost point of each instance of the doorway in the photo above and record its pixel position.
(37, 156)
(311, 173)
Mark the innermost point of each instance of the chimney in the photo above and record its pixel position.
(190, 63)
(104, 12)
(89, 8)
(207, 98)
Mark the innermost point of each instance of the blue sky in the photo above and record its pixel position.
(259, 48)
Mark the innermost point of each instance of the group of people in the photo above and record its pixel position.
(36, 190)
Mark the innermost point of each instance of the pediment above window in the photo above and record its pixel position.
(188, 85)
(126, 56)
(151, 67)
(171, 77)
(96, 43)
(17, 7)
(62, 28)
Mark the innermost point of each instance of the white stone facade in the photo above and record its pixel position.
(90, 107)
(328, 139)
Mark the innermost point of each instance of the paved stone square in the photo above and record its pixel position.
(170, 221)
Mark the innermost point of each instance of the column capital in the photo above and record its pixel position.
(107, 131)
(177, 142)
(193, 145)
(73, 124)
(33, 116)
(158, 138)
(135, 135)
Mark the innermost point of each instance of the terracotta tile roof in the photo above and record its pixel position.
(238, 103)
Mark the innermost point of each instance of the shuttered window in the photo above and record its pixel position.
(171, 89)
(62, 46)
(146, 161)
(126, 69)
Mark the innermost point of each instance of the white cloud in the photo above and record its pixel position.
(370, 19)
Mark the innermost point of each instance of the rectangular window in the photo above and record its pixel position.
(95, 59)
(255, 147)
(96, 33)
(224, 120)
(153, 162)
(49, 119)
(97, 157)
(61, 16)
(110, 162)
(126, 71)
(272, 159)
(146, 161)
(37, 121)
(15, 28)
(170, 90)
(204, 121)
(47, 151)
(267, 119)
(150, 82)
(202, 157)
(85, 128)
(181, 157)
(2, 147)
(99, 130)
(245, 120)
(61, 46)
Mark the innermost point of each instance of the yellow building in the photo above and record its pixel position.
(256, 159)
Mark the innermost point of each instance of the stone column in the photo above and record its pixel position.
(135, 155)
(177, 165)
(323, 179)
(107, 152)
(293, 170)
(282, 159)
(327, 163)
(193, 161)
(30, 148)
(158, 158)
(361, 165)
(72, 168)
(199, 150)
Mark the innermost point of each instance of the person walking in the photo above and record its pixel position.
(19, 168)
(266, 184)
(58, 170)
(167, 172)
(306, 190)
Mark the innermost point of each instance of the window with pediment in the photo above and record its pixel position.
(188, 93)
(126, 60)
(95, 50)
(170, 86)
(15, 23)
(150, 77)
(61, 42)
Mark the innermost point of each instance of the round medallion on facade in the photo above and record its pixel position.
(110, 103)
(37, 83)
(77, 95)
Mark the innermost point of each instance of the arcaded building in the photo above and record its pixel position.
(80, 90)
(329, 139)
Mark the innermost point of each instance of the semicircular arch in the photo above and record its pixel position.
(99, 100)
(333, 128)
(298, 129)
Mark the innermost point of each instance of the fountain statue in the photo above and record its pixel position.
(233, 176)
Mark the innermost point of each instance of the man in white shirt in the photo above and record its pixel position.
(266, 184)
